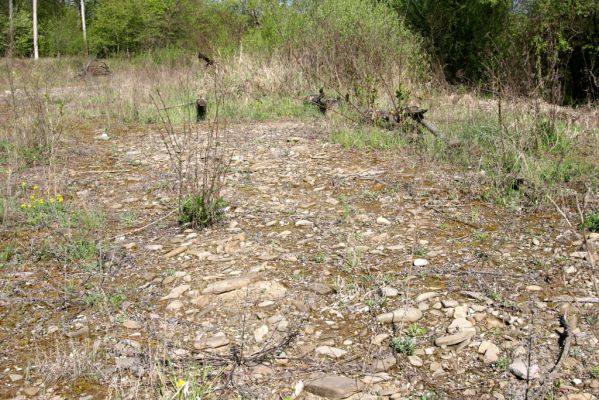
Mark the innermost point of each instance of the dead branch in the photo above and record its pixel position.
(565, 341)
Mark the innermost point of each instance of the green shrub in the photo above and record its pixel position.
(403, 345)
(200, 212)
(591, 222)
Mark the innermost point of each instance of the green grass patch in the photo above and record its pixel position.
(363, 137)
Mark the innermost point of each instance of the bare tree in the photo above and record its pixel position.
(11, 28)
(83, 27)
(35, 47)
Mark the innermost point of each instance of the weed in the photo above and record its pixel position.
(591, 222)
(347, 210)
(320, 258)
(117, 298)
(595, 372)
(420, 251)
(503, 363)
(128, 218)
(367, 137)
(80, 248)
(403, 345)
(370, 195)
(196, 383)
(414, 330)
(199, 211)
(352, 260)
(93, 298)
(481, 236)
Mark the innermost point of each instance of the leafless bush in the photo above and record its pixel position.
(200, 160)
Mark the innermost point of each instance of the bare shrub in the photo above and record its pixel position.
(200, 161)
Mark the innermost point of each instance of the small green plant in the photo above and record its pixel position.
(92, 298)
(481, 236)
(128, 218)
(595, 372)
(414, 330)
(403, 345)
(347, 210)
(420, 251)
(503, 363)
(591, 222)
(200, 211)
(352, 260)
(320, 258)
(370, 195)
(117, 298)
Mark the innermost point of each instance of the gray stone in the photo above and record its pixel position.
(176, 292)
(456, 338)
(329, 351)
(401, 314)
(426, 296)
(520, 370)
(333, 387)
(227, 285)
(218, 340)
(321, 288)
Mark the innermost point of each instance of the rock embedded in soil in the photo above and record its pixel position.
(520, 370)
(426, 296)
(415, 361)
(388, 291)
(216, 341)
(153, 247)
(227, 285)
(321, 288)
(384, 364)
(260, 333)
(130, 324)
(402, 314)
(176, 292)
(456, 338)
(174, 305)
(31, 390)
(420, 262)
(176, 251)
(333, 387)
(329, 351)
(383, 221)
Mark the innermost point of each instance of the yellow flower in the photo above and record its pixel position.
(59, 198)
(180, 383)
(23, 184)
(24, 205)
(29, 205)
(36, 187)
(41, 201)
(51, 200)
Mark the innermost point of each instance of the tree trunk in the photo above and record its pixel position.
(83, 27)
(35, 47)
(11, 28)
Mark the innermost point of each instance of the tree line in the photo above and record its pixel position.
(546, 48)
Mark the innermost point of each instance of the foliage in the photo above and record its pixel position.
(591, 222)
(403, 345)
(199, 212)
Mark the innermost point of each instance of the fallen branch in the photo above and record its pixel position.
(565, 341)
(572, 299)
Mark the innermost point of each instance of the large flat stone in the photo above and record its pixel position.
(227, 285)
(333, 387)
(401, 314)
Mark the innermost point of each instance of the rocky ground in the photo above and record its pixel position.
(336, 274)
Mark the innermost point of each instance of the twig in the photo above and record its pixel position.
(454, 219)
(98, 171)
(566, 342)
(141, 228)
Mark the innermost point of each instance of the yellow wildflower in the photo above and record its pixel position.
(51, 200)
(59, 198)
(23, 184)
(180, 383)
(24, 205)
(36, 188)
(41, 201)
